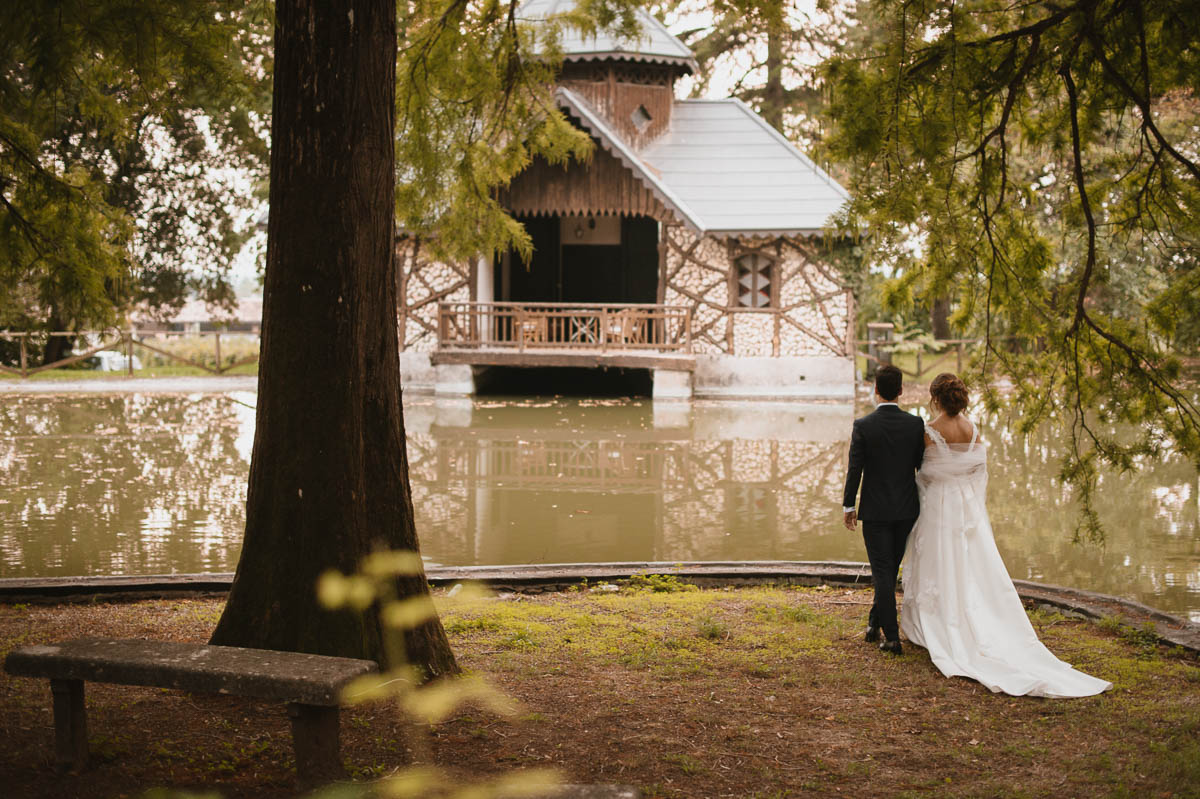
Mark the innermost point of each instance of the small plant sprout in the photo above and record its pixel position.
(420, 703)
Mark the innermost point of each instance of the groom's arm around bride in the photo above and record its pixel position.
(886, 447)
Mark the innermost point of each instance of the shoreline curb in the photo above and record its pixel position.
(541, 578)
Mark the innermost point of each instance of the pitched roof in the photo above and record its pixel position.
(721, 169)
(656, 44)
(595, 124)
(737, 174)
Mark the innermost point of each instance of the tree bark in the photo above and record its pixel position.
(939, 317)
(774, 98)
(329, 474)
(57, 347)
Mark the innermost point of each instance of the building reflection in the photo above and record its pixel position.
(517, 483)
(146, 484)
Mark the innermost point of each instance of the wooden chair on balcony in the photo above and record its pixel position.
(532, 330)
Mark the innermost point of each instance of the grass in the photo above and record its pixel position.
(178, 370)
(200, 349)
(764, 692)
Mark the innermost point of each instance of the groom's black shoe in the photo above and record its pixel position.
(871, 635)
(891, 646)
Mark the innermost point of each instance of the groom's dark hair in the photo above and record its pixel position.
(888, 382)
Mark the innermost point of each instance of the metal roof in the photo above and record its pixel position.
(723, 170)
(737, 174)
(595, 124)
(656, 44)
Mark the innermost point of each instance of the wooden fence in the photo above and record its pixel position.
(555, 325)
(124, 342)
(928, 357)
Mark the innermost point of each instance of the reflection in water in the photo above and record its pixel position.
(123, 483)
(624, 480)
(114, 484)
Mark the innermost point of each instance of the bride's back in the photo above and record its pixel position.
(956, 429)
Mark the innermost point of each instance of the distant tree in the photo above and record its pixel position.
(767, 51)
(1038, 161)
(121, 128)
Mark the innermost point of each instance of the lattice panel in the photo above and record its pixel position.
(812, 314)
(423, 283)
(698, 276)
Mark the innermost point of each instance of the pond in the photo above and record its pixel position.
(149, 483)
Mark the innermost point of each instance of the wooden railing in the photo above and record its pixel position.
(123, 342)
(555, 325)
(924, 361)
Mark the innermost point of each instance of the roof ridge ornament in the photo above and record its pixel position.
(655, 45)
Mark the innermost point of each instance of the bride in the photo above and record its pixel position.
(959, 602)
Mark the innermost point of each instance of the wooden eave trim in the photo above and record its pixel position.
(612, 143)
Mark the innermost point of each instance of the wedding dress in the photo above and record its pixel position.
(959, 602)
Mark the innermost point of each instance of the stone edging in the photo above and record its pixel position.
(537, 578)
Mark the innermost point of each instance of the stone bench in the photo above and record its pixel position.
(310, 685)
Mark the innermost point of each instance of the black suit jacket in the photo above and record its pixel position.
(886, 447)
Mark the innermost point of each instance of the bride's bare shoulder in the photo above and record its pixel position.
(953, 429)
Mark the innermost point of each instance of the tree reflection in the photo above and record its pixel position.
(128, 483)
(122, 483)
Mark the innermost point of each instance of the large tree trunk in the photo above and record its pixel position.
(329, 474)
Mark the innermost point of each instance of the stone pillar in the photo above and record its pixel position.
(70, 725)
(672, 384)
(455, 379)
(317, 743)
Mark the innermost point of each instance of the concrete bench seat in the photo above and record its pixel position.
(310, 685)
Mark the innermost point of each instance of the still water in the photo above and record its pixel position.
(155, 483)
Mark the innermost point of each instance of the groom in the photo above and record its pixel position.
(886, 447)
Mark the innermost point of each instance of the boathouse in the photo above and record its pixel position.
(689, 245)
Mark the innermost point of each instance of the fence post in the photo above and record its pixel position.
(959, 353)
(24, 359)
(603, 329)
(920, 353)
(520, 328)
(879, 336)
(129, 353)
(217, 347)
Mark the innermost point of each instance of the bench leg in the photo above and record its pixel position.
(317, 740)
(70, 725)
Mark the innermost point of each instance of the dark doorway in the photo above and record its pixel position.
(545, 381)
(563, 271)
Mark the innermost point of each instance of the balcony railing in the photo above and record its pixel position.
(572, 326)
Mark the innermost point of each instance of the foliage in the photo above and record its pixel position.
(121, 128)
(475, 104)
(1040, 162)
(908, 336)
(768, 48)
(423, 705)
(658, 583)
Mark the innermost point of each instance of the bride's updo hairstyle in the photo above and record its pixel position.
(950, 393)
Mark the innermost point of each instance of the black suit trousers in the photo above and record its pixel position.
(885, 550)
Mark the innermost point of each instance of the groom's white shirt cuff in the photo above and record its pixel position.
(848, 510)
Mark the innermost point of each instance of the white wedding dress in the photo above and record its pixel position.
(959, 602)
